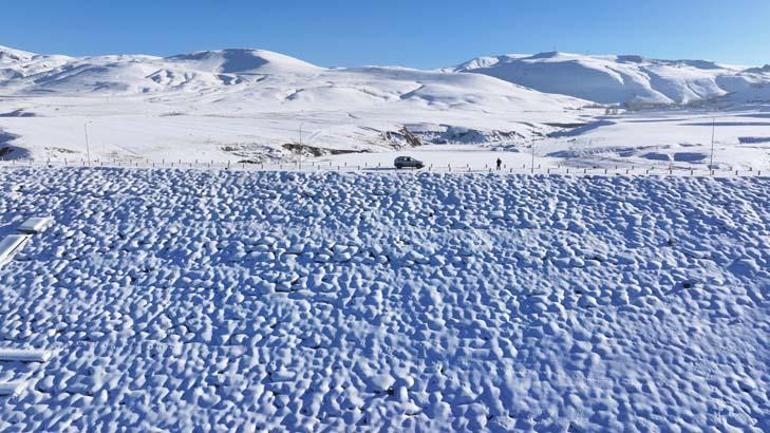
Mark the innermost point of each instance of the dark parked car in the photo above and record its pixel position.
(408, 162)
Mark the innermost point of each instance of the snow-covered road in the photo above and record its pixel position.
(179, 300)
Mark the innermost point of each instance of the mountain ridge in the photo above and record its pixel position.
(629, 80)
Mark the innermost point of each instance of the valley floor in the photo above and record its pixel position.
(180, 300)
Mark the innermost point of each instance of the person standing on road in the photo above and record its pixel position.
(499, 164)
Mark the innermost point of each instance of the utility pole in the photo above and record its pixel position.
(88, 147)
(713, 136)
(532, 163)
(300, 145)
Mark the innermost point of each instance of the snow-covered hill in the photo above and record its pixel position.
(185, 301)
(249, 105)
(27, 73)
(628, 80)
(242, 104)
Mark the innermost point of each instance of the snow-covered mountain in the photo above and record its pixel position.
(251, 102)
(628, 80)
(249, 105)
(23, 72)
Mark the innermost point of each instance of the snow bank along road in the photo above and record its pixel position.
(226, 301)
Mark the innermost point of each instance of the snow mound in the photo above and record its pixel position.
(182, 301)
(626, 79)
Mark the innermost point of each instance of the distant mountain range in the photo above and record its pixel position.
(626, 80)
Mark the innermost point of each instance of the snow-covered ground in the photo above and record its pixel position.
(678, 138)
(170, 300)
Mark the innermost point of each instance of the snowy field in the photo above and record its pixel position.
(666, 138)
(179, 300)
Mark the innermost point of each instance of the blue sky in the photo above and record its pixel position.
(418, 33)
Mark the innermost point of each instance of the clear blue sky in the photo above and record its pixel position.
(419, 33)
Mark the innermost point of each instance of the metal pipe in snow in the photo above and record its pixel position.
(24, 355)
